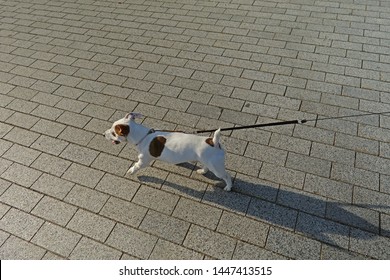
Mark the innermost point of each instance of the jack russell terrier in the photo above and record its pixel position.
(172, 147)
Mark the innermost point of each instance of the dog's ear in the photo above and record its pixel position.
(133, 116)
(122, 129)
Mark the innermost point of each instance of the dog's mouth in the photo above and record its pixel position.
(115, 142)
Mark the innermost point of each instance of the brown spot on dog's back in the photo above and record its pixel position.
(210, 142)
(157, 146)
(122, 129)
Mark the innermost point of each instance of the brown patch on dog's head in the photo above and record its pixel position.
(157, 146)
(122, 130)
(210, 142)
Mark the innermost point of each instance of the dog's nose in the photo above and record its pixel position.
(104, 134)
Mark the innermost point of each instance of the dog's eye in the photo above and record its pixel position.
(113, 134)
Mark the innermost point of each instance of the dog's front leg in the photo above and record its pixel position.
(141, 163)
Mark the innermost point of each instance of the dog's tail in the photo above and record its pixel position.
(216, 137)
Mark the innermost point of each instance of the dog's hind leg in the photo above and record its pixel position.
(218, 168)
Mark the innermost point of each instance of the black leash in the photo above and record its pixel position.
(291, 122)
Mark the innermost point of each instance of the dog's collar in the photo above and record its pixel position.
(143, 138)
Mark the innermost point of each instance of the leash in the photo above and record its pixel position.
(291, 122)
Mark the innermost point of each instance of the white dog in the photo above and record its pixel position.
(172, 147)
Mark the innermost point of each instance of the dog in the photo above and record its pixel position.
(172, 147)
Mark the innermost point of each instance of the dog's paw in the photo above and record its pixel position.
(227, 188)
(201, 171)
(131, 171)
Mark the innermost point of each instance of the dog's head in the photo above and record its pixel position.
(121, 128)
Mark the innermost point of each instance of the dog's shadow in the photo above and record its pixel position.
(328, 221)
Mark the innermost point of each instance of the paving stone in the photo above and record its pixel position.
(83, 175)
(51, 164)
(76, 135)
(56, 239)
(164, 226)
(48, 127)
(74, 119)
(373, 199)
(282, 175)
(52, 186)
(355, 176)
(245, 251)
(328, 188)
(21, 136)
(88, 249)
(243, 228)
(91, 225)
(301, 200)
(17, 249)
(335, 253)
(54, 210)
(132, 241)
(49, 145)
(118, 186)
(184, 186)
(79, 154)
(165, 250)
(369, 244)
(197, 213)
(21, 175)
(20, 224)
(226, 200)
(272, 213)
(156, 199)
(124, 211)
(21, 154)
(292, 245)
(210, 243)
(20, 197)
(308, 164)
(111, 164)
(86, 198)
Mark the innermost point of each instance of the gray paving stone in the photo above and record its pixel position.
(51, 164)
(308, 164)
(210, 243)
(20, 197)
(88, 249)
(118, 186)
(124, 211)
(21, 154)
(17, 249)
(111, 164)
(156, 199)
(132, 241)
(79, 154)
(76, 135)
(371, 199)
(165, 250)
(48, 127)
(54, 210)
(164, 226)
(86, 198)
(56, 239)
(226, 200)
(52, 186)
(369, 244)
(21, 175)
(272, 213)
(22, 136)
(292, 245)
(282, 175)
(20, 224)
(91, 225)
(355, 176)
(73, 119)
(243, 228)
(335, 253)
(301, 200)
(83, 175)
(49, 145)
(245, 251)
(328, 188)
(197, 213)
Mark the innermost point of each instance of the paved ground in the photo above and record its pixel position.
(68, 68)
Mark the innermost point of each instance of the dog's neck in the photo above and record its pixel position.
(137, 133)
